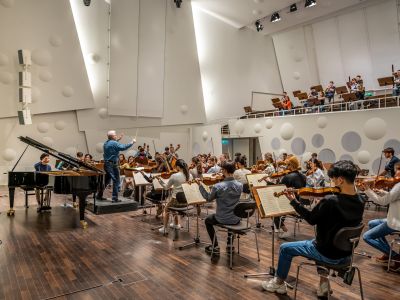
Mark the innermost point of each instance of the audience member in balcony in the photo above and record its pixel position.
(286, 103)
(330, 91)
(396, 89)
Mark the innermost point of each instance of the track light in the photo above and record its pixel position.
(86, 2)
(178, 3)
(259, 26)
(310, 3)
(275, 17)
(293, 7)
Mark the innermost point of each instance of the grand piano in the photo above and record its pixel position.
(81, 179)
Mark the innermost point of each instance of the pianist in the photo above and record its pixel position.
(43, 166)
(111, 148)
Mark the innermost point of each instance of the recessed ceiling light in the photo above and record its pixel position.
(275, 17)
(310, 3)
(293, 7)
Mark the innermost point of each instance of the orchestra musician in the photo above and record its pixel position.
(43, 166)
(178, 198)
(143, 152)
(196, 168)
(378, 229)
(213, 167)
(162, 165)
(281, 164)
(88, 158)
(315, 175)
(332, 213)
(268, 155)
(121, 159)
(241, 171)
(111, 148)
(391, 161)
(222, 158)
(286, 103)
(330, 91)
(226, 194)
(294, 179)
(396, 87)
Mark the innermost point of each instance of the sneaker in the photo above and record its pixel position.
(208, 250)
(322, 290)
(284, 234)
(163, 230)
(273, 287)
(382, 259)
(173, 226)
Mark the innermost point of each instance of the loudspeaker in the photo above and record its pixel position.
(24, 117)
(25, 95)
(86, 2)
(24, 57)
(25, 79)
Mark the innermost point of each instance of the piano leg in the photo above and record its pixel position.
(82, 205)
(11, 192)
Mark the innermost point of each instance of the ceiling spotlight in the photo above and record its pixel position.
(275, 17)
(293, 7)
(178, 3)
(86, 2)
(259, 26)
(310, 3)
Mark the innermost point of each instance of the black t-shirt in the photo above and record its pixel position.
(294, 180)
(331, 214)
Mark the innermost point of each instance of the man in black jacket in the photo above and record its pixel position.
(331, 214)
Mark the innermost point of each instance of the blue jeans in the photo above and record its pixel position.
(112, 173)
(396, 91)
(302, 248)
(375, 236)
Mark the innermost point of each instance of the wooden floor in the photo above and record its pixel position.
(47, 256)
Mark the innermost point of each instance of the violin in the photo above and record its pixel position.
(379, 182)
(281, 173)
(167, 175)
(310, 192)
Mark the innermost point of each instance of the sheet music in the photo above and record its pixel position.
(192, 193)
(252, 179)
(157, 185)
(271, 205)
(139, 179)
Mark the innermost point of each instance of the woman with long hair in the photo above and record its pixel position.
(122, 159)
(315, 175)
(178, 198)
(196, 168)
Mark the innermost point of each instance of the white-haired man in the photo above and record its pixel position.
(111, 148)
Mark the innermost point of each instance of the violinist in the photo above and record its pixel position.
(213, 168)
(88, 158)
(196, 168)
(241, 171)
(294, 179)
(330, 91)
(283, 162)
(226, 194)
(268, 171)
(128, 186)
(129, 164)
(161, 163)
(378, 229)
(268, 155)
(315, 175)
(178, 198)
(122, 160)
(331, 214)
(222, 158)
(391, 161)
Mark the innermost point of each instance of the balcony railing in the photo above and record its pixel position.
(338, 106)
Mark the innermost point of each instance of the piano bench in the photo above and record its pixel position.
(27, 190)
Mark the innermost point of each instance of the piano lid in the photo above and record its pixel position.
(73, 161)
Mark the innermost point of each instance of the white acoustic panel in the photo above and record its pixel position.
(329, 57)
(291, 53)
(383, 37)
(59, 80)
(355, 47)
(124, 57)
(151, 58)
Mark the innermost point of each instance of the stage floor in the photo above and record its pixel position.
(47, 255)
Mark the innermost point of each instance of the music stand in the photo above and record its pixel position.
(276, 102)
(248, 109)
(295, 93)
(385, 81)
(349, 97)
(341, 90)
(318, 88)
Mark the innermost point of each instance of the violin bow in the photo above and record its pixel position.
(379, 168)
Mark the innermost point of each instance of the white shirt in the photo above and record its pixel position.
(240, 175)
(269, 170)
(393, 199)
(214, 169)
(175, 181)
(316, 178)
